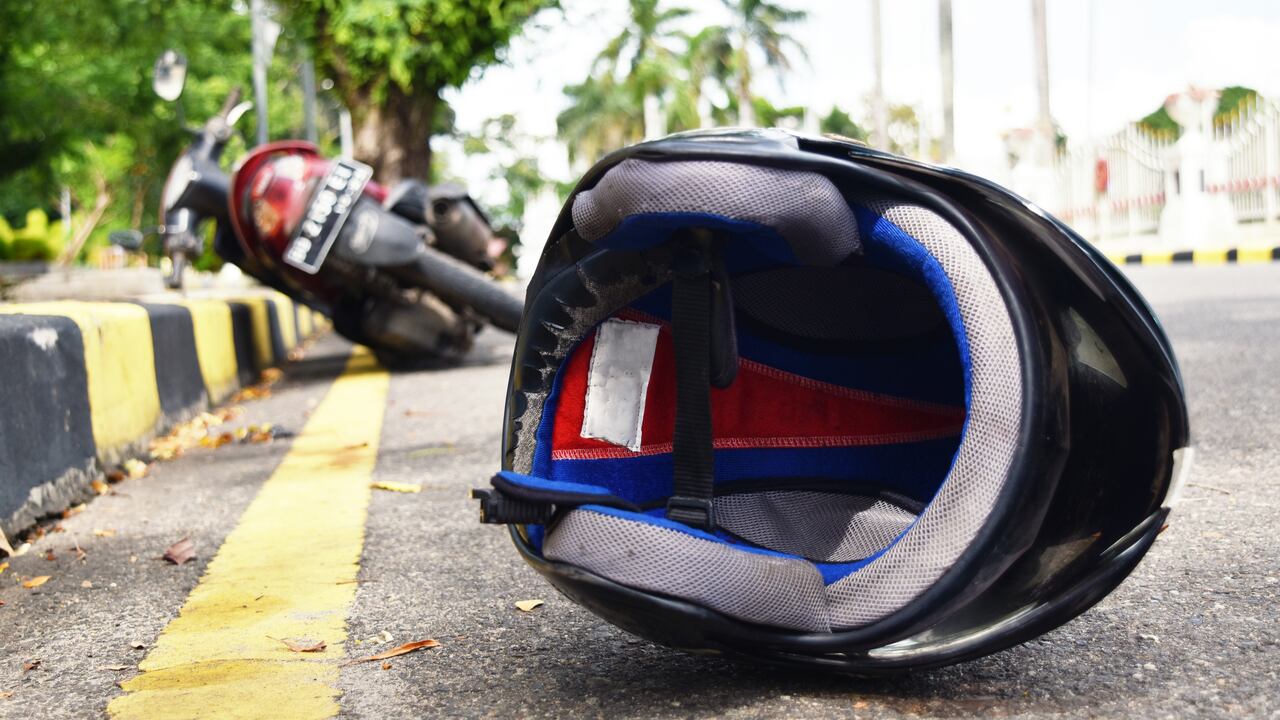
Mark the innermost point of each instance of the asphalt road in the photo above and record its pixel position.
(1193, 632)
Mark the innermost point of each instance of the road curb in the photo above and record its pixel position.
(1214, 256)
(88, 384)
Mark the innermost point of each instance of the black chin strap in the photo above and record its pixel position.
(699, 296)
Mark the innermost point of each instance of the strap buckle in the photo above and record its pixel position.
(691, 511)
(499, 508)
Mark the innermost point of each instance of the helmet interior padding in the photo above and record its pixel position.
(862, 443)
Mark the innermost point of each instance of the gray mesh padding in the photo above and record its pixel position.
(981, 465)
(790, 593)
(805, 208)
(753, 586)
(838, 303)
(821, 526)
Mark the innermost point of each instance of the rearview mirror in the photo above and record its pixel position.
(170, 75)
(127, 239)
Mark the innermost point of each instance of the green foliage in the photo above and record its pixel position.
(652, 58)
(420, 46)
(838, 122)
(769, 116)
(77, 109)
(516, 170)
(1232, 100)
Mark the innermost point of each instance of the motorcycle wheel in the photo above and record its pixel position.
(458, 283)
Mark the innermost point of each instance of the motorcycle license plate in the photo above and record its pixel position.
(328, 210)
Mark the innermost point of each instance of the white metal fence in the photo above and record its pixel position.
(1119, 186)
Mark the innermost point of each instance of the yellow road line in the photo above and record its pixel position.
(286, 571)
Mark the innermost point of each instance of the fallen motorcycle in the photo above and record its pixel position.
(400, 270)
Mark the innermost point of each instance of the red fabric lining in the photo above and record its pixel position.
(764, 408)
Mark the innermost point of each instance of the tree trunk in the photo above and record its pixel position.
(746, 108)
(394, 136)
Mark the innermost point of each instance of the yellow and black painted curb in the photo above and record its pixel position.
(88, 384)
(1215, 256)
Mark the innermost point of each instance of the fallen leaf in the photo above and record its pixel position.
(30, 665)
(59, 528)
(395, 486)
(135, 468)
(304, 644)
(104, 532)
(6, 694)
(115, 476)
(138, 645)
(36, 582)
(444, 449)
(74, 510)
(50, 556)
(100, 486)
(180, 552)
(402, 650)
(386, 666)
(528, 605)
(4, 566)
(114, 668)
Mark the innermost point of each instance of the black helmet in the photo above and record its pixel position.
(797, 400)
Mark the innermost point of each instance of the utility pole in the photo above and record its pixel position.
(880, 114)
(264, 33)
(948, 82)
(1044, 121)
(309, 97)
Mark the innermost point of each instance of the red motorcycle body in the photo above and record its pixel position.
(271, 192)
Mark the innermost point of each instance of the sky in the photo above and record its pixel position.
(1110, 63)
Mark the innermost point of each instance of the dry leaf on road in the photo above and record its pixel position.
(30, 665)
(100, 487)
(104, 532)
(135, 468)
(304, 644)
(402, 650)
(3, 566)
(180, 552)
(395, 486)
(36, 582)
(528, 605)
(6, 694)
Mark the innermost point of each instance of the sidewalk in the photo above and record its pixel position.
(88, 384)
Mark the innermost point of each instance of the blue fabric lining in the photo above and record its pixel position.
(927, 374)
(557, 485)
(756, 245)
(910, 469)
(915, 469)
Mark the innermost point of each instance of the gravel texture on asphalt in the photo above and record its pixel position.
(1193, 632)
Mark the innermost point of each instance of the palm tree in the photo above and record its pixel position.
(758, 24)
(653, 62)
(603, 116)
(708, 57)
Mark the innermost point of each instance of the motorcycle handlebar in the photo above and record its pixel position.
(233, 99)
